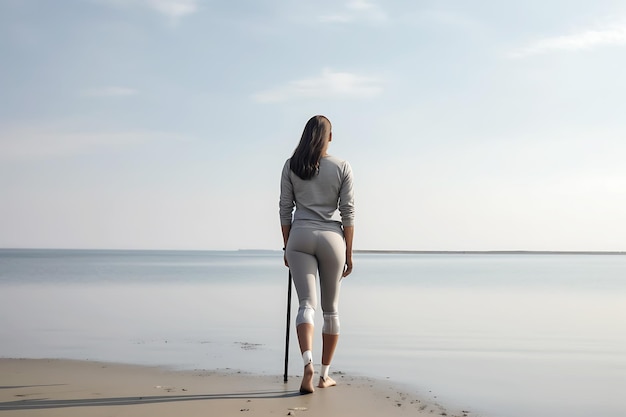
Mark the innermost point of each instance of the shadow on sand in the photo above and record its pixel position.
(36, 404)
(29, 386)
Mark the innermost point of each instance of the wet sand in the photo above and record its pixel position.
(51, 387)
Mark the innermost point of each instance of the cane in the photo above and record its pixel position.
(287, 330)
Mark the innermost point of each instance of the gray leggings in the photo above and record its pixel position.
(308, 251)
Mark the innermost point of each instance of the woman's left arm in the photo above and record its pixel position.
(346, 208)
(348, 234)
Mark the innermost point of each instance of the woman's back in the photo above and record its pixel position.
(318, 198)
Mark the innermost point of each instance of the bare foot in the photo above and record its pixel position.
(306, 387)
(325, 383)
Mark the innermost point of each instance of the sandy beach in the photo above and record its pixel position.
(51, 387)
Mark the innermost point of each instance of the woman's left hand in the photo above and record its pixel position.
(347, 270)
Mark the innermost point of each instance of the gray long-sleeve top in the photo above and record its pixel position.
(316, 200)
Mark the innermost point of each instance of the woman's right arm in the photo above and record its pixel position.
(286, 205)
(285, 228)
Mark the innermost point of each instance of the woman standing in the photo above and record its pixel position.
(316, 239)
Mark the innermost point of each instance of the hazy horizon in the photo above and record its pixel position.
(361, 251)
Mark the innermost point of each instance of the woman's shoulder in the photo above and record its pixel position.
(335, 160)
(341, 164)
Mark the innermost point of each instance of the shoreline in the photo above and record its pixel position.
(486, 252)
(356, 251)
(51, 387)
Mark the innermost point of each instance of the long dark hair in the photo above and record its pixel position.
(305, 161)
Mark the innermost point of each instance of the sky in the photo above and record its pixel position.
(164, 124)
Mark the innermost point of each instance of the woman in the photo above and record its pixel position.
(317, 184)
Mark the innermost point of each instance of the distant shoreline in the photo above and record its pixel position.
(487, 252)
(360, 251)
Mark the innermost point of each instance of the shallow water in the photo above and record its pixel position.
(500, 335)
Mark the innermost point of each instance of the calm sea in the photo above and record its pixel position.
(501, 335)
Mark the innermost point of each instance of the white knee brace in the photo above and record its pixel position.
(331, 323)
(306, 314)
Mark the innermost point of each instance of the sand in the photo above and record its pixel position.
(52, 387)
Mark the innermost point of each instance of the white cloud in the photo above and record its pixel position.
(336, 18)
(447, 18)
(588, 39)
(111, 91)
(173, 9)
(356, 10)
(337, 85)
(20, 143)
